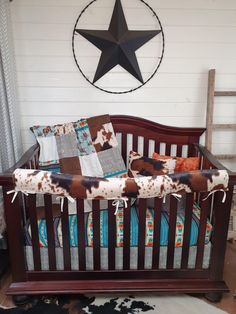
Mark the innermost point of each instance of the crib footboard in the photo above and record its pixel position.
(188, 269)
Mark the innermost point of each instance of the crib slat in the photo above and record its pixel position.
(187, 229)
(179, 151)
(141, 232)
(81, 233)
(172, 233)
(156, 233)
(66, 236)
(191, 150)
(157, 147)
(96, 235)
(135, 143)
(34, 231)
(111, 236)
(146, 147)
(205, 209)
(221, 216)
(15, 234)
(33, 163)
(36, 161)
(24, 208)
(124, 147)
(168, 149)
(50, 232)
(126, 241)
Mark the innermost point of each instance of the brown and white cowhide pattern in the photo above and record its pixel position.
(115, 304)
(76, 186)
(82, 304)
(145, 166)
(102, 133)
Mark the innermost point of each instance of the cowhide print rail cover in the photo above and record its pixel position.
(76, 186)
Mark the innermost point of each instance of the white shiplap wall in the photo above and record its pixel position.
(199, 35)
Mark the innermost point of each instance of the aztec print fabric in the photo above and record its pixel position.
(120, 229)
(144, 166)
(182, 163)
(75, 186)
(87, 147)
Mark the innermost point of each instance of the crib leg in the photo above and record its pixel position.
(213, 297)
(22, 300)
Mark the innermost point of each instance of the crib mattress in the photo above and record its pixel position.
(118, 259)
(73, 229)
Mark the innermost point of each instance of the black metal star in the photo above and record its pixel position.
(118, 44)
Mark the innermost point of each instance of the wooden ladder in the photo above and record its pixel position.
(212, 93)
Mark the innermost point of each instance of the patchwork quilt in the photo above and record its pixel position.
(73, 228)
(86, 147)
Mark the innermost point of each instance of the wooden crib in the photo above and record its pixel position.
(140, 135)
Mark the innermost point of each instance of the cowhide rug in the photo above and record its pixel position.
(80, 304)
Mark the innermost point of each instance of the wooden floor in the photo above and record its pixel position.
(228, 302)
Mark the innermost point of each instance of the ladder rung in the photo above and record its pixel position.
(225, 93)
(224, 157)
(224, 126)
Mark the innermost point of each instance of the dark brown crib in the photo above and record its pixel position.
(143, 136)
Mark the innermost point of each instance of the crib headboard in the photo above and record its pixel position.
(145, 136)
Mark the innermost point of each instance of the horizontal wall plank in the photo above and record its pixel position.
(175, 50)
(33, 31)
(67, 65)
(87, 109)
(223, 119)
(80, 95)
(224, 137)
(155, 108)
(54, 79)
(225, 148)
(73, 79)
(27, 63)
(225, 108)
(173, 16)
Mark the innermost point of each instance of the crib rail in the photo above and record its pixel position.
(80, 272)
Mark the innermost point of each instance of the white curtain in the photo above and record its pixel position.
(10, 138)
